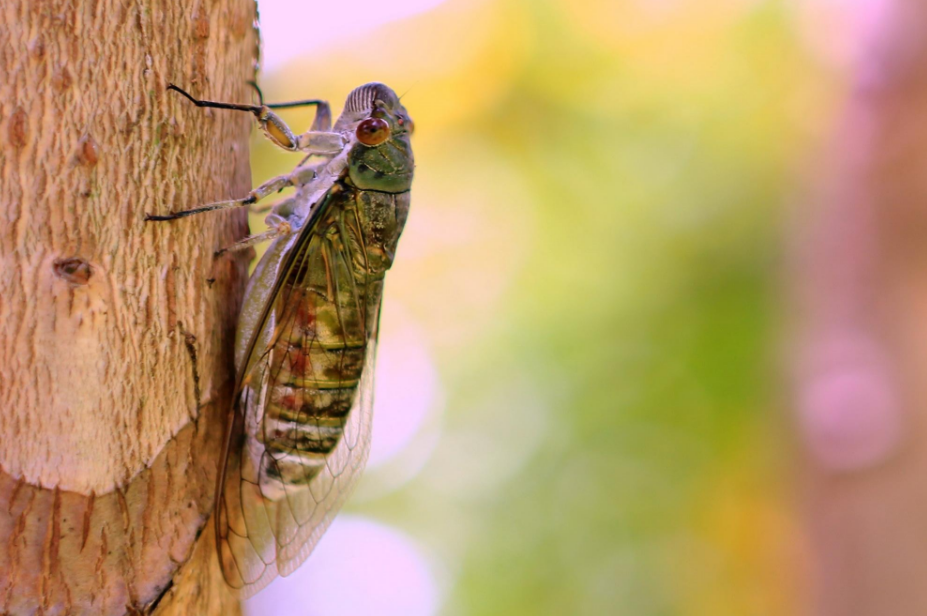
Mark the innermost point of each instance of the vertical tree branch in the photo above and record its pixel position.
(862, 275)
(116, 334)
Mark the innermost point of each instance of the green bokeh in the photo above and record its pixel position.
(622, 381)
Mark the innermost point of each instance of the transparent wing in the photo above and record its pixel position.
(299, 441)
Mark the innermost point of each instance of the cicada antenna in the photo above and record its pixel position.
(409, 89)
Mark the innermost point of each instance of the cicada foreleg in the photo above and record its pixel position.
(273, 127)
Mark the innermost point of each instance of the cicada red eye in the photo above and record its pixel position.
(372, 131)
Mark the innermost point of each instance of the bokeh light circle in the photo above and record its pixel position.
(359, 568)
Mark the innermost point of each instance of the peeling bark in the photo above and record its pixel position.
(116, 334)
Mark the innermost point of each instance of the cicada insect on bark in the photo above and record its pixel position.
(298, 435)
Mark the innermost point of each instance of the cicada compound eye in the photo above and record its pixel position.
(372, 131)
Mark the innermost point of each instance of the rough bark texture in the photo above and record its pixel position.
(863, 391)
(116, 350)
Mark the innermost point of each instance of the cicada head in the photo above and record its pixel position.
(381, 155)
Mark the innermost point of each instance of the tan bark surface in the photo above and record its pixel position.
(116, 350)
(863, 283)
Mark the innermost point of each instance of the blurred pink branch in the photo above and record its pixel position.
(861, 286)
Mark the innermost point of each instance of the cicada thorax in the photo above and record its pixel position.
(318, 353)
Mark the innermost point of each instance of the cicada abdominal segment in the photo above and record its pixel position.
(298, 435)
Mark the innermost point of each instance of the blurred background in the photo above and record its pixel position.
(634, 355)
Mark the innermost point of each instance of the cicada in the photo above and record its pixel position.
(298, 434)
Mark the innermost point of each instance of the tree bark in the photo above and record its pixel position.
(116, 334)
(862, 272)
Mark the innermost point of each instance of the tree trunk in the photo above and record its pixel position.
(116, 334)
(863, 289)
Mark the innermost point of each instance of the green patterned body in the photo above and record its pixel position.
(300, 375)
(317, 361)
(300, 433)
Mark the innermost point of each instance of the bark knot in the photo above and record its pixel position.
(75, 270)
